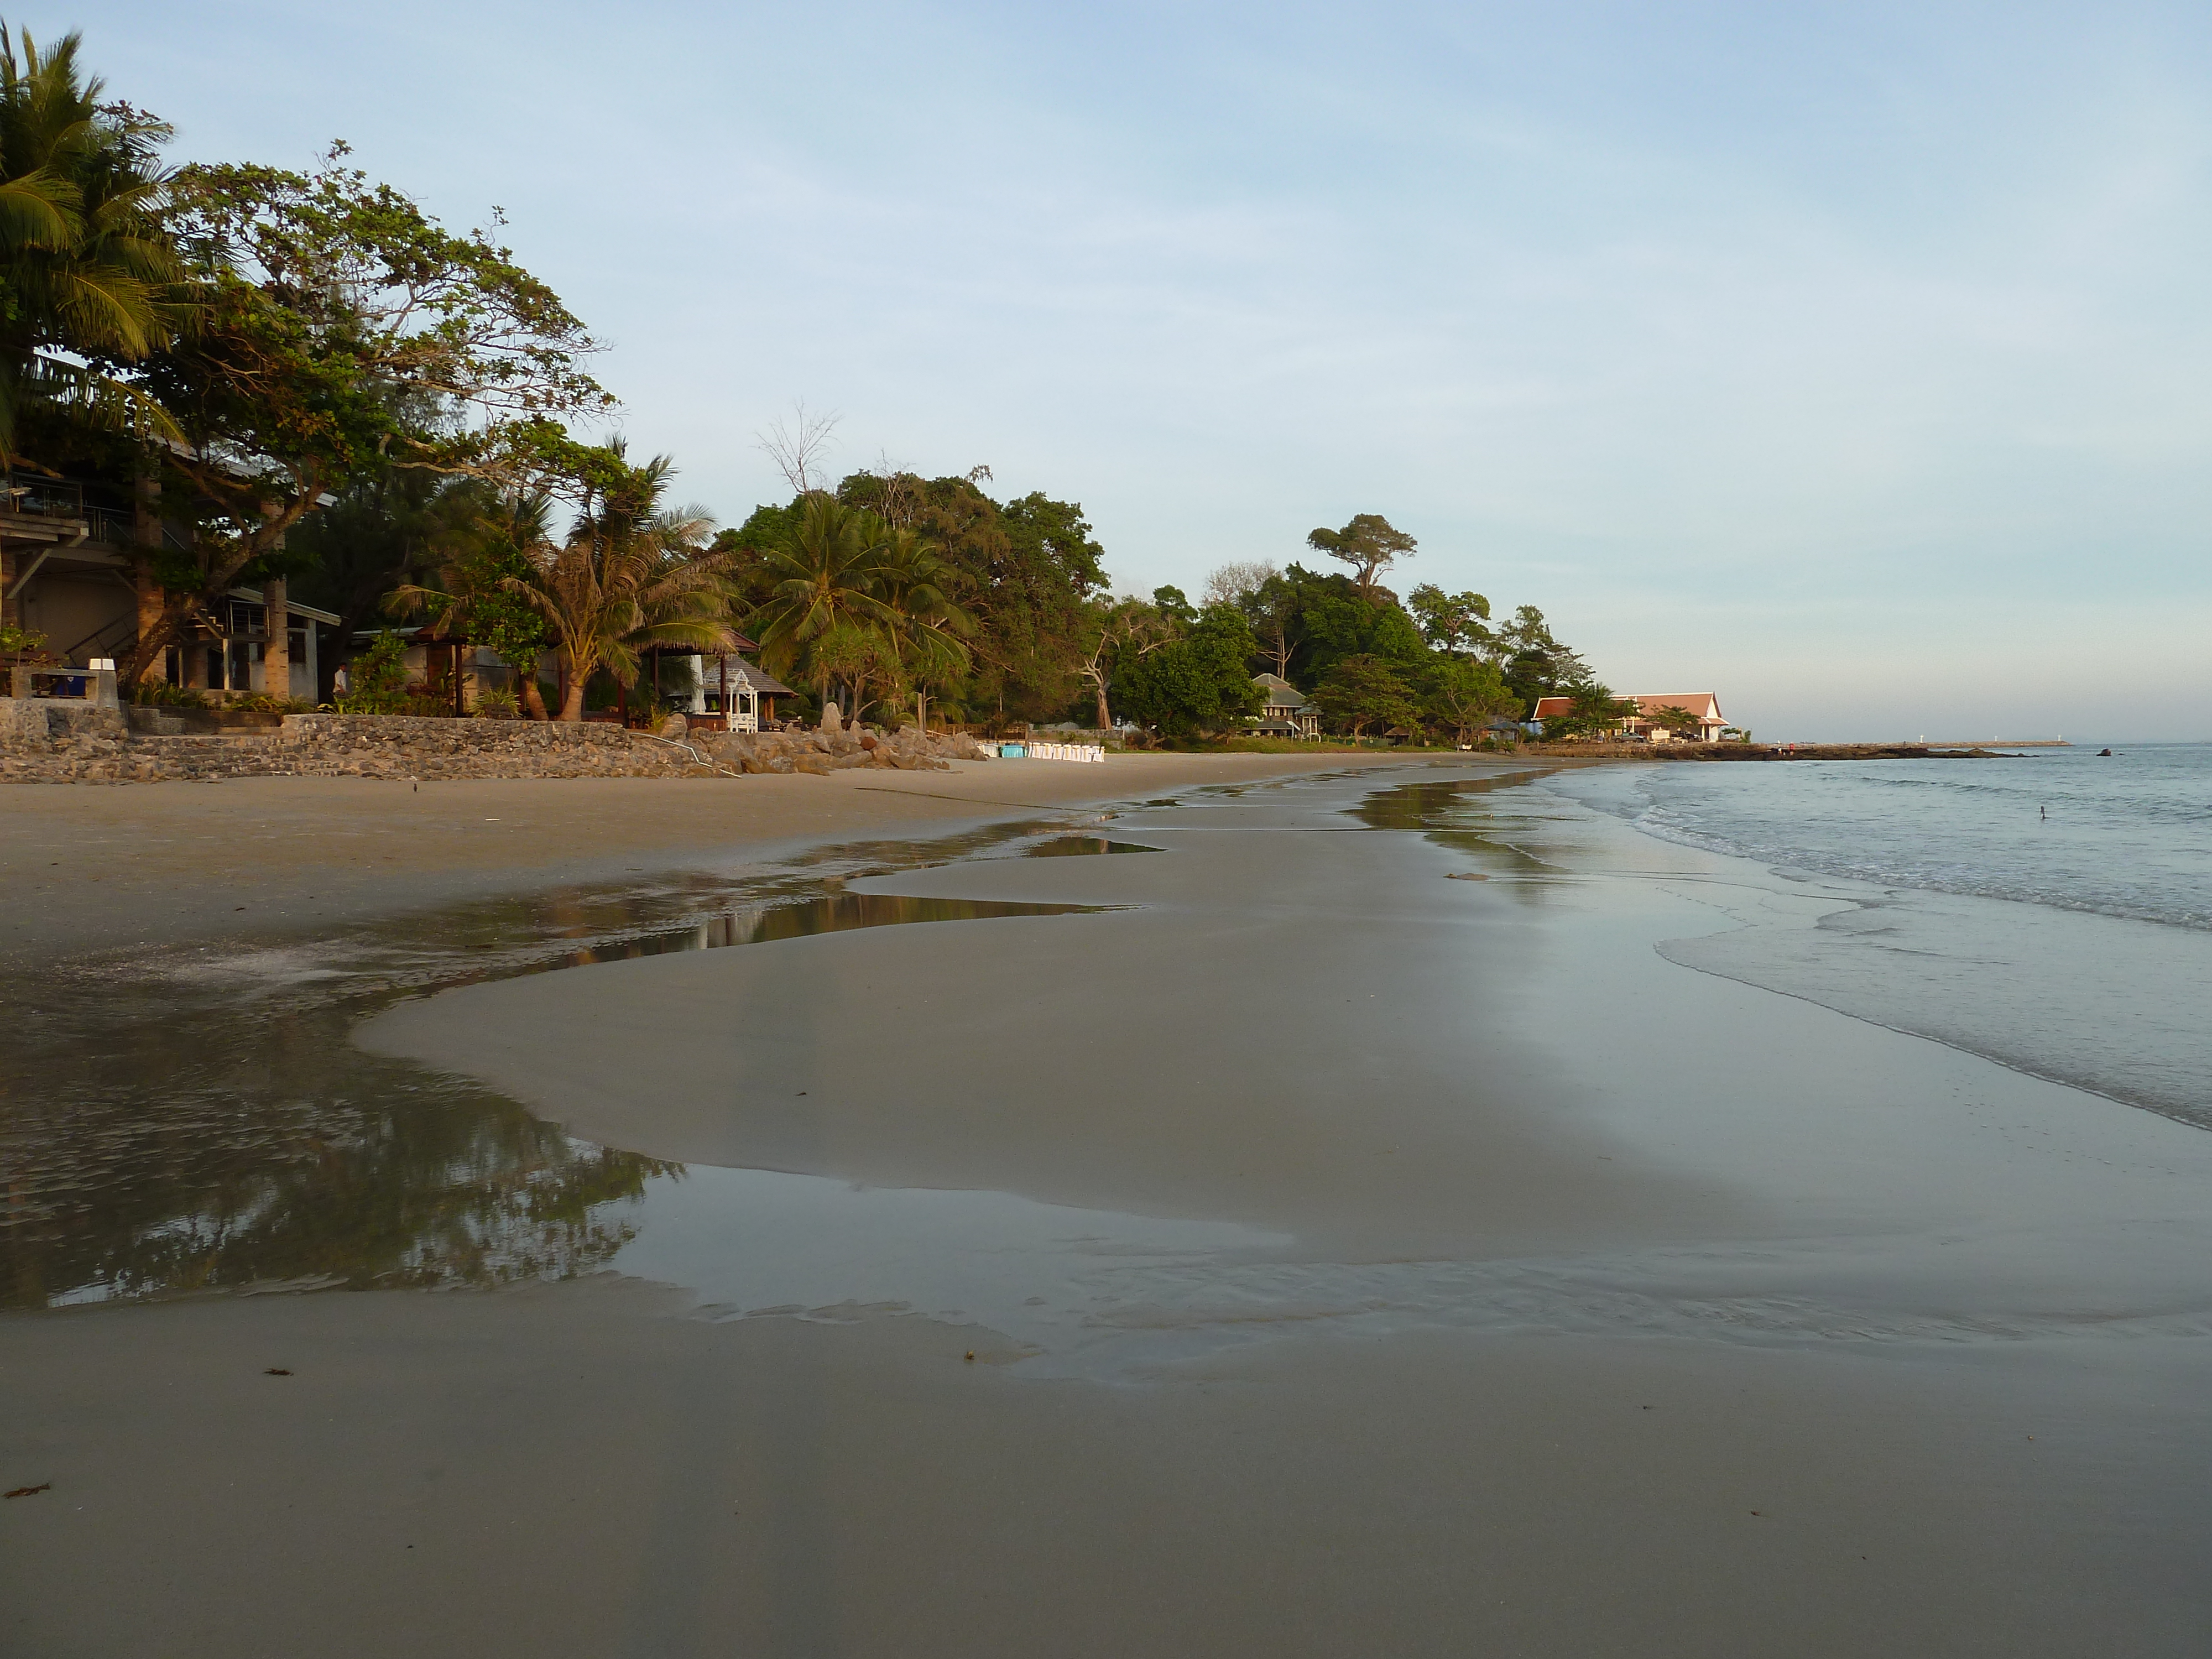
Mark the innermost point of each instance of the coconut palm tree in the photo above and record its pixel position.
(630, 575)
(86, 268)
(828, 581)
(929, 637)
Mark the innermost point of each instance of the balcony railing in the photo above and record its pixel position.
(58, 501)
(43, 498)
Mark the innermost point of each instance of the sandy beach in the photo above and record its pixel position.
(1289, 1248)
(87, 867)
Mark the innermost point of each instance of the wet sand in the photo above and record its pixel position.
(1435, 1268)
(574, 1470)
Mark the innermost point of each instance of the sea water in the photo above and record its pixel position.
(2050, 910)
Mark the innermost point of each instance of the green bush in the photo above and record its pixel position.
(267, 703)
(25, 641)
(160, 694)
(379, 680)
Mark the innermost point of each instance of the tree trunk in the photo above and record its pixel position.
(1105, 720)
(276, 654)
(533, 698)
(572, 705)
(149, 593)
(146, 532)
(180, 611)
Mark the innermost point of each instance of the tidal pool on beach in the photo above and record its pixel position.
(194, 1119)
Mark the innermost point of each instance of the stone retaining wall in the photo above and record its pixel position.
(51, 742)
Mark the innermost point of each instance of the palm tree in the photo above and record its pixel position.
(827, 582)
(928, 640)
(630, 575)
(86, 268)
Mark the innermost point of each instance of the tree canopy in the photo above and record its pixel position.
(1198, 681)
(88, 277)
(1369, 543)
(339, 331)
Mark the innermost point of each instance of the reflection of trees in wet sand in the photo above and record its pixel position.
(183, 1125)
(1446, 813)
(142, 1169)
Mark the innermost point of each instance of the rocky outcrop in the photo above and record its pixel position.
(45, 741)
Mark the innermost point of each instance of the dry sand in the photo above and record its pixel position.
(84, 866)
(1584, 1304)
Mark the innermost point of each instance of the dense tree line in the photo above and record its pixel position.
(316, 380)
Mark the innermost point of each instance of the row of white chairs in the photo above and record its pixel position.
(1088, 752)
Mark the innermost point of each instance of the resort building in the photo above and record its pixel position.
(72, 558)
(1288, 714)
(1704, 707)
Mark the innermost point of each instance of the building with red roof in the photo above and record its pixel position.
(1703, 707)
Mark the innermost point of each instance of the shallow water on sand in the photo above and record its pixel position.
(2052, 911)
(197, 1120)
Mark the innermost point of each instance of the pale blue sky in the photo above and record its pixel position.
(1853, 361)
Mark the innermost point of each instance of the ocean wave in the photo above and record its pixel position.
(2130, 845)
(1964, 883)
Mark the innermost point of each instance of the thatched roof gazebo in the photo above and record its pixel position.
(743, 693)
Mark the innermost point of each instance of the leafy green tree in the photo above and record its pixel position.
(1454, 623)
(1024, 577)
(1171, 603)
(482, 543)
(867, 660)
(928, 640)
(1199, 682)
(1370, 544)
(1329, 620)
(87, 279)
(1360, 691)
(1023, 573)
(378, 678)
(340, 330)
(1051, 575)
(1466, 696)
(1535, 663)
